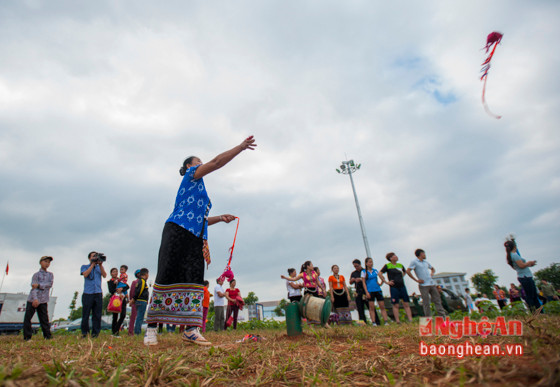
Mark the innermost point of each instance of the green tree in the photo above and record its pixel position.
(551, 274)
(106, 300)
(484, 282)
(251, 299)
(279, 310)
(72, 306)
(75, 314)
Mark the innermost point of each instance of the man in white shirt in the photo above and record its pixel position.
(219, 305)
(424, 271)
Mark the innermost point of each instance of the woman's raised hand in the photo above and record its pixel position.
(248, 143)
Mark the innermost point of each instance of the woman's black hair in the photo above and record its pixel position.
(389, 256)
(332, 267)
(304, 266)
(365, 266)
(206, 283)
(510, 246)
(187, 161)
(291, 270)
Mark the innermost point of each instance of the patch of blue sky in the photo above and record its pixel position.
(432, 86)
(408, 62)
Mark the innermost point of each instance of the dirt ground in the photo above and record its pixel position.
(352, 355)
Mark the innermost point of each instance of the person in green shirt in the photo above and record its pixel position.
(396, 272)
(548, 291)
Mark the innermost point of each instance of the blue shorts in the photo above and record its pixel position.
(399, 294)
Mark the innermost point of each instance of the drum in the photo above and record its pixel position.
(293, 320)
(315, 308)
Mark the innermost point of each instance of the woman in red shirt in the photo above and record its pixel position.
(232, 294)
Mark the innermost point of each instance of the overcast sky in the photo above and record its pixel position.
(100, 102)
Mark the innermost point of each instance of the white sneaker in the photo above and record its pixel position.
(194, 336)
(150, 338)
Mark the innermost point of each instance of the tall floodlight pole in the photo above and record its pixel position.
(347, 168)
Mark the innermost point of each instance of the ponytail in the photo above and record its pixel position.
(304, 266)
(510, 246)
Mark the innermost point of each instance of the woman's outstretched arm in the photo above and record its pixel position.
(224, 158)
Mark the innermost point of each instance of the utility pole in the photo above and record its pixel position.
(347, 168)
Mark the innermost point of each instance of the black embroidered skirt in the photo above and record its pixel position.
(178, 290)
(340, 300)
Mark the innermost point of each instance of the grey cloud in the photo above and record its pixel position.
(99, 104)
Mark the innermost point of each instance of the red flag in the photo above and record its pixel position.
(7, 267)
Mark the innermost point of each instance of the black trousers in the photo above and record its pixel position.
(118, 319)
(92, 304)
(501, 304)
(361, 305)
(232, 309)
(43, 313)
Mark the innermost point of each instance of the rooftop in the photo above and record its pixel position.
(448, 274)
(266, 304)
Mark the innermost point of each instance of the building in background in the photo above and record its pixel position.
(268, 308)
(452, 281)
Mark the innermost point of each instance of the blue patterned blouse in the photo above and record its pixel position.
(192, 205)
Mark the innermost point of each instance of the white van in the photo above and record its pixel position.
(12, 312)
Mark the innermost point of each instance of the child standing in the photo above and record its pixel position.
(132, 305)
(38, 299)
(140, 299)
(205, 305)
(469, 300)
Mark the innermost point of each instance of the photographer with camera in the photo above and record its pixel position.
(92, 298)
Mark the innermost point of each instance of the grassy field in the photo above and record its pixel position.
(353, 355)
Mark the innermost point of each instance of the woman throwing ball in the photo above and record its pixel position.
(178, 290)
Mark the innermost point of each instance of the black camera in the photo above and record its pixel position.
(99, 257)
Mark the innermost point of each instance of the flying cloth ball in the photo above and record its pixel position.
(227, 274)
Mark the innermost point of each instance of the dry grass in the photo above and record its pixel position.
(339, 356)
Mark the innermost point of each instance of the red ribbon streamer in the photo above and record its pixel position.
(228, 273)
(233, 245)
(493, 40)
